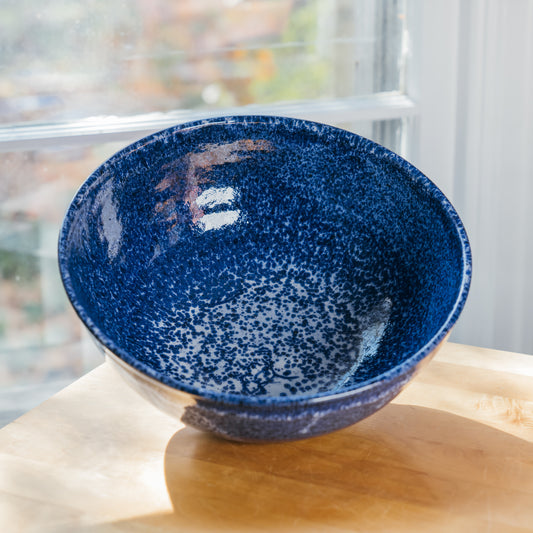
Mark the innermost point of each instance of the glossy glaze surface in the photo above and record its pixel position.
(265, 261)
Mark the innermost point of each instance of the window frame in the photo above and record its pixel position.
(98, 130)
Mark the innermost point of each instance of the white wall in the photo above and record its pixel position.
(476, 142)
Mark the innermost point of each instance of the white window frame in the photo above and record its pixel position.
(431, 83)
(98, 130)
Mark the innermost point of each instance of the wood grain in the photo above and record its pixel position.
(454, 452)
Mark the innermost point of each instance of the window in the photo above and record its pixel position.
(82, 79)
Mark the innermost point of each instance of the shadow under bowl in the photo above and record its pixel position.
(264, 278)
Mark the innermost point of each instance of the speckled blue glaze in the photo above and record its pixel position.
(286, 277)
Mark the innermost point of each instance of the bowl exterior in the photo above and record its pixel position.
(268, 422)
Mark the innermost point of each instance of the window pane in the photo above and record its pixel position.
(41, 338)
(66, 59)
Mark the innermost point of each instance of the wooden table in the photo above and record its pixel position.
(454, 452)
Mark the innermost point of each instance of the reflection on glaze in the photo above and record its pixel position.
(218, 220)
(373, 328)
(185, 177)
(110, 227)
(215, 196)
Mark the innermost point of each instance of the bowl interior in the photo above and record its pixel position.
(261, 257)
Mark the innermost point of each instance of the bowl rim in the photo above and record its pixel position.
(358, 143)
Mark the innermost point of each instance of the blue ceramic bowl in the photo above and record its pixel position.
(264, 278)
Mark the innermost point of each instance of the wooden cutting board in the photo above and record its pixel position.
(454, 452)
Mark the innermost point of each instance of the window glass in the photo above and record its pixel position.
(65, 59)
(41, 338)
